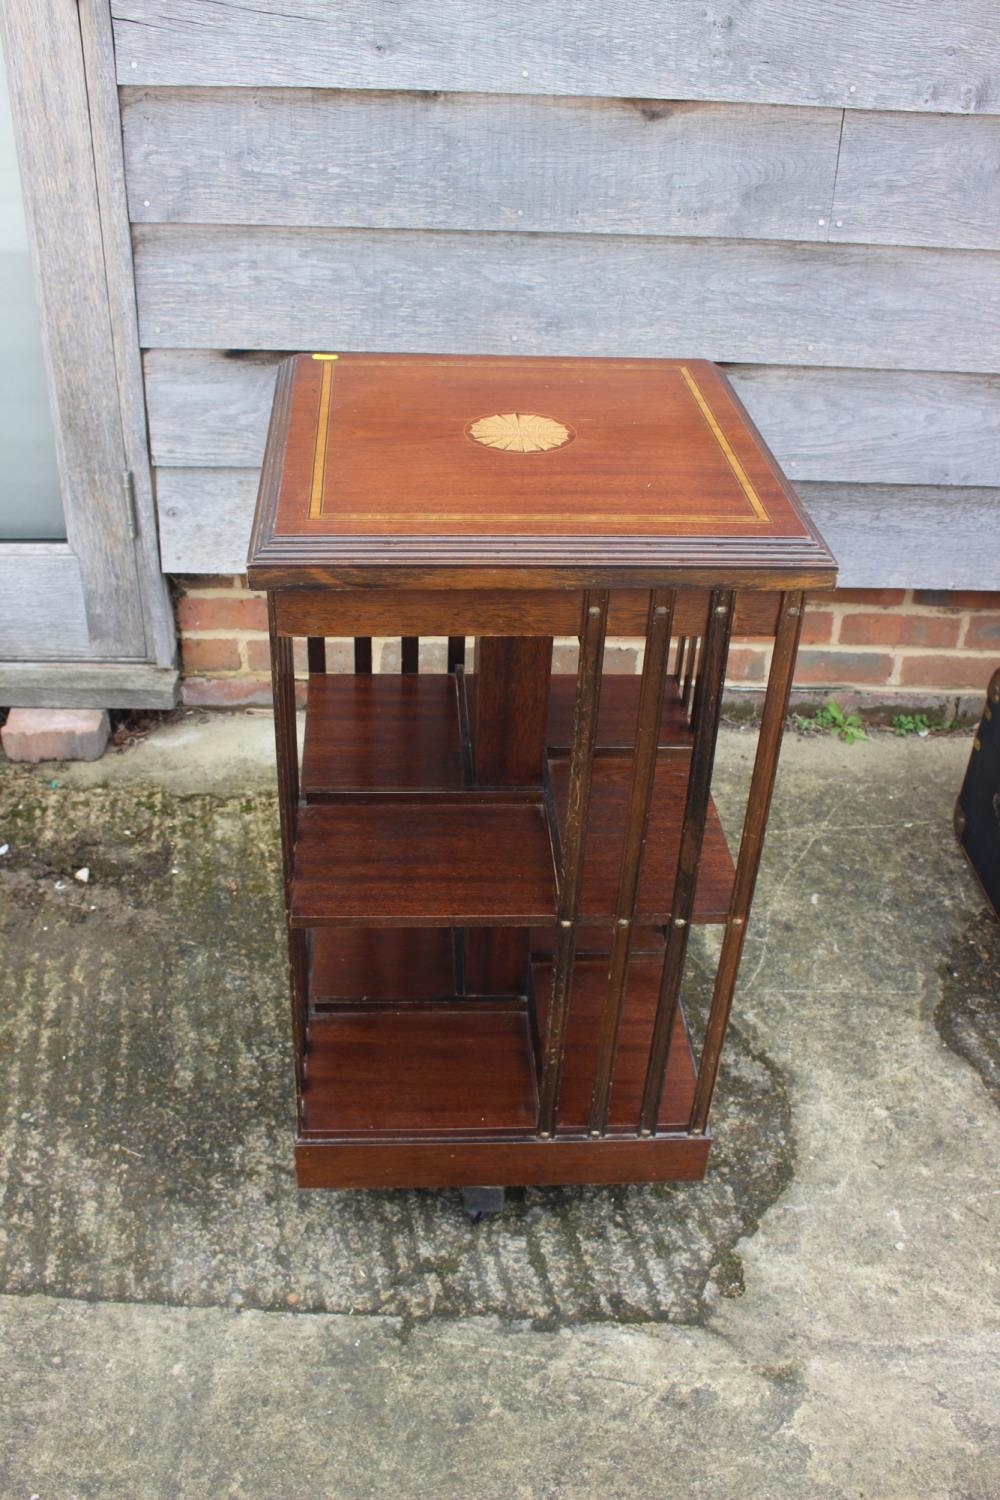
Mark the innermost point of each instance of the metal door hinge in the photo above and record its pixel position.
(133, 515)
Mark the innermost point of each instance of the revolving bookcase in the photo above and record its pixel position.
(491, 870)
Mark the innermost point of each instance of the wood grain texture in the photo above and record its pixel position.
(395, 964)
(919, 180)
(487, 612)
(609, 793)
(408, 291)
(888, 537)
(392, 733)
(205, 516)
(84, 684)
(420, 1070)
(51, 113)
(509, 709)
(877, 426)
(617, 715)
(883, 536)
(634, 1034)
(392, 864)
(371, 474)
(478, 162)
(883, 55)
(865, 426)
(557, 165)
(30, 628)
(109, 167)
(512, 1163)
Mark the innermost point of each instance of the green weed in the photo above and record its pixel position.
(831, 719)
(911, 724)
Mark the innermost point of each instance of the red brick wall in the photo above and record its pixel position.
(876, 646)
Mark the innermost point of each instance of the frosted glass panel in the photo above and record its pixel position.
(30, 505)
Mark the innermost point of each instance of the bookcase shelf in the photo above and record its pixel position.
(461, 862)
(425, 854)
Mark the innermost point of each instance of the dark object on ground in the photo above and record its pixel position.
(480, 1201)
(977, 811)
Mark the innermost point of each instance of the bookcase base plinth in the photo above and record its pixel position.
(531, 1163)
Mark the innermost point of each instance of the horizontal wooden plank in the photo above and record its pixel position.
(520, 1163)
(88, 685)
(875, 55)
(877, 426)
(326, 158)
(466, 161)
(866, 426)
(407, 291)
(207, 408)
(205, 517)
(492, 612)
(907, 537)
(919, 180)
(882, 536)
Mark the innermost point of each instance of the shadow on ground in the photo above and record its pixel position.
(147, 1135)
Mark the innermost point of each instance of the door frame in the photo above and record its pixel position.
(94, 612)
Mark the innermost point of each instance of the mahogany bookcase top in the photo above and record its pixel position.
(436, 471)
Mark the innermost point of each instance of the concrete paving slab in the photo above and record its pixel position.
(819, 1319)
(145, 1403)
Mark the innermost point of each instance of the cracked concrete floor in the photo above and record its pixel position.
(818, 1319)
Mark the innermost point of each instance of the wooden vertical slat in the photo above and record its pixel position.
(779, 685)
(708, 701)
(690, 683)
(362, 655)
(286, 746)
(644, 760)
(316, 654)
(456, 652)
(682, 642)
(588, 696)
(410, 653)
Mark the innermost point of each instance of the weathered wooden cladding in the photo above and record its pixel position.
(347, 159)
(862, 426)
(742, 301)
(28, 572)
(919, 180)
(62, 203)
(880, 55)
(901, 536)
(883, 536)
(435, 178)
(407, 161)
